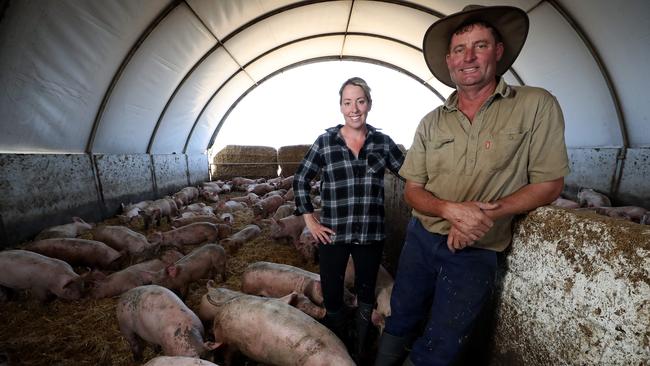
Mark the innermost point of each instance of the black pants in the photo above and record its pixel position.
(333, 259)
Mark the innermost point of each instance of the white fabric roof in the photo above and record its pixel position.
(160, 76)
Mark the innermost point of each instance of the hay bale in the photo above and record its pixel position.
(253, 171)
(246, 154)
(245, 161)
(289, 158)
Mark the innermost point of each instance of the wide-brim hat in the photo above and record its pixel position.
(510, 22)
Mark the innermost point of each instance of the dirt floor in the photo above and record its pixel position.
(85, 332)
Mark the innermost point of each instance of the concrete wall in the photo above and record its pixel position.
(625, 181)
(42, 190)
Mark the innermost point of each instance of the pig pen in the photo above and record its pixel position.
(85, 332)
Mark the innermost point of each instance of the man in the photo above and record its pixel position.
(490, 152)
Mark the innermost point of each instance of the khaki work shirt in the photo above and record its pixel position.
(516, 138)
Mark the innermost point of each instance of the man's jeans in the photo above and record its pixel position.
(449, 287)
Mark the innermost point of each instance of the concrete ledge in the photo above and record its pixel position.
(124, 179)
(171, 173)
(41, 190)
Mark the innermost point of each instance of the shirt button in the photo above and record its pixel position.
(473, 137)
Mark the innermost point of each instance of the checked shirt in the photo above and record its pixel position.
(352, 188)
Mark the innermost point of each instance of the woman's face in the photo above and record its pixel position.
(354, 106)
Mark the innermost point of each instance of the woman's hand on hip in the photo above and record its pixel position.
(321, 233)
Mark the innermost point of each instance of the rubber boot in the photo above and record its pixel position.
(336, 322)
(392, 350)
(362, 326)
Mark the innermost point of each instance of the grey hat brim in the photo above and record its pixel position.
(511, 22)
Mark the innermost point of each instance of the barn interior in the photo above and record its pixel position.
(111, 102)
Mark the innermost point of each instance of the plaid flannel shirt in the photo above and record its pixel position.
(352, 189)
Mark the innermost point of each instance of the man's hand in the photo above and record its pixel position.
(320, 232)
(469, 222)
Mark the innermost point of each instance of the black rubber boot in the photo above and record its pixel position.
(336, 322)
(392, 350)
(362, 326)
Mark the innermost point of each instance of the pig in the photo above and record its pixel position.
(164, 207)
(191, 234)
(132, 212)
(72, 230)
(277, 192)
(227, 217)
(156, 315)
(632, 213)
(260, 189)
(185, 196)
(284, 211)
(237, 240)
(133, 276)
(277, 280)
(206, 261)
(587, 197)
(122, 238)
(210, 192)
(286, 183)
(289, 196)
(304, 304)
(249, 199)
(42, 276)
(199, 208)
(178, 361)
(382, 311)
(307, 246)
(230, 206)
(83, 252)
(273, 332)
(184, 221)
(267, 206)
(241, 184)
(565, 203)
(289, 227)
(383, 292)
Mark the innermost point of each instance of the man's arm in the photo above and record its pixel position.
(468, 217)
(526, 199)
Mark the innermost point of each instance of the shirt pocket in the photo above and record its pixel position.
(440, 154)
(376, 163)
(507, 144)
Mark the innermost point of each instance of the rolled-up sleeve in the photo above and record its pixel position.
(548, 153)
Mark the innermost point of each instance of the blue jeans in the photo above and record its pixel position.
(451, 288)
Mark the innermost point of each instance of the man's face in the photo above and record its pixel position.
(473, 56)
(354, 106)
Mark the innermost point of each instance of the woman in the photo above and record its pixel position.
(351, 160)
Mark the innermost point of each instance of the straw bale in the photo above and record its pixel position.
(229, 171)
(246, 154)
(289, 158)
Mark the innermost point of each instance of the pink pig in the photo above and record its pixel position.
(43, 276)
(154, 314)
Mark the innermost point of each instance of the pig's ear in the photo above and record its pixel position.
(172, 271)
(211, 284)
(290, 299)
(212, 345)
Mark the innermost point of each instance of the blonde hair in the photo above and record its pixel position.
(356, 81)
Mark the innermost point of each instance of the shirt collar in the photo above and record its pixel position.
(335, 130)
(502, 89)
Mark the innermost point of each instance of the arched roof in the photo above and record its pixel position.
(160, 76)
